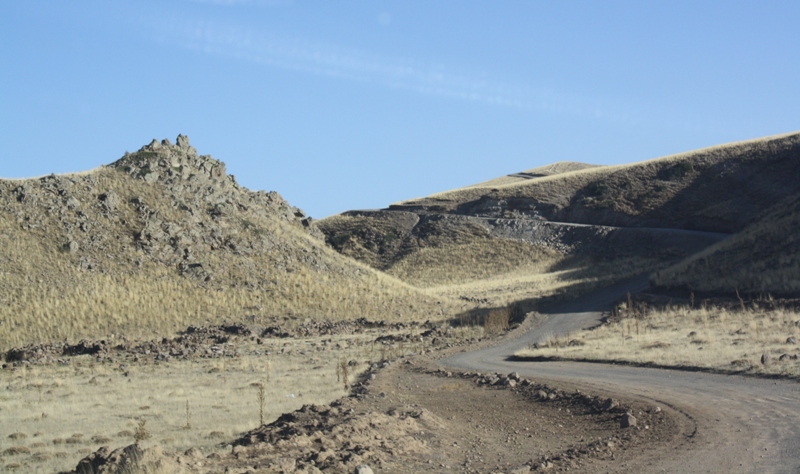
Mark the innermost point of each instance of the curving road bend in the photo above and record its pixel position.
(730, 423)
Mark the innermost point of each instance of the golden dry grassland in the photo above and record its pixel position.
(680, 336)
(52, 416)
(502, 272)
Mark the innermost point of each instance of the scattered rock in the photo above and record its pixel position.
(791, 340)
(542, 395)
(627, 421)
(520, 470)
(766, 359)
(287, 464)
(610, 404)
(194, 453)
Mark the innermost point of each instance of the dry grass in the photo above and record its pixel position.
(534, 173)
(713, 338)
(482, 259)
(158, 304)
(763, 258)
(58, 414)
(555, 275)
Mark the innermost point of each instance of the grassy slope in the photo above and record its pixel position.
(188, 248)
(765, 257)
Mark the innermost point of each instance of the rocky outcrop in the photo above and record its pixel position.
(184, 207)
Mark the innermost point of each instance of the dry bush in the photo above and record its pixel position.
(497, 321)
(141, 433)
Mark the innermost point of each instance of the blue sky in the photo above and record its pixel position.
(353, 105)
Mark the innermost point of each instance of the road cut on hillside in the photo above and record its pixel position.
(729, 423)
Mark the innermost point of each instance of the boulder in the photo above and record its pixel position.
(627, 421)
(363, 469)
(541, 394)
(610, 404)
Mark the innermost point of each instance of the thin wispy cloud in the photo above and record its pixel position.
(255, 3)
(346, 64)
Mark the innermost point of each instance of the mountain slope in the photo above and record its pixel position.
(717, 189)
(164, 238)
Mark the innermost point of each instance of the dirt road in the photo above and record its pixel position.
(731, 423)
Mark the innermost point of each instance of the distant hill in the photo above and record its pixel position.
(164, 238)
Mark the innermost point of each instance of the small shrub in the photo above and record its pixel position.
(141, 433)
(343, 373)
(497, 321)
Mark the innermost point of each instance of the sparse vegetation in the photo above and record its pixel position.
(164, 239)
(141, 433)
(261, 396)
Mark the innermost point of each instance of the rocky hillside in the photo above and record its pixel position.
(763, 258)
(163, 238)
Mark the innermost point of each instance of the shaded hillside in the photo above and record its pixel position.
(717, 189)
(763, 258)
(164, 238)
